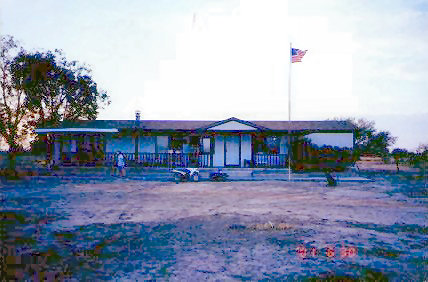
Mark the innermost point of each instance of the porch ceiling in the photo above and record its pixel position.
(56, 130)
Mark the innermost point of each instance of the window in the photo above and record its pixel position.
(73, 145)
(272, 143)
(176, 143)
(66, 146)
(267, 145)
(162, 144)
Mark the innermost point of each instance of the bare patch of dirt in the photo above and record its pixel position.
(137, 201)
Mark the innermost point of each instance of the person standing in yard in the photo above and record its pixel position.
(121, 164)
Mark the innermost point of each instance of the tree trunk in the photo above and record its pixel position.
(11, 156)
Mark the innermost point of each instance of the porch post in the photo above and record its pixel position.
(104, 140)
(289, 156)
(290, 148)
(57, 149)
(289, 113)
(137, 141)
(212, 148)
(49, 142)
(80, 148)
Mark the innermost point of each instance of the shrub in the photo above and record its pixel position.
(324, 158)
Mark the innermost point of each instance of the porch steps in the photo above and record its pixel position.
(248, 173)
(163, 173)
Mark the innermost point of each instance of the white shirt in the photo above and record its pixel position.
(120, 160)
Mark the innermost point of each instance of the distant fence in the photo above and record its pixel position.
(3, 159)
(371, 158)
(22, 159)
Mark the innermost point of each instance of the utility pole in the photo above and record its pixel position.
(289, 115)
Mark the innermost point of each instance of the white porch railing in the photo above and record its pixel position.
(164, 159)
(270, 160)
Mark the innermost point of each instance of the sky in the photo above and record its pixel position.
(206, 59)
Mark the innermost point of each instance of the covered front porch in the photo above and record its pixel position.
(206, 150)
(231, 143)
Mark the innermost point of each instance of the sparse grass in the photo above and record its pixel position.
(248, 231)
(278, 226)
(367, 275)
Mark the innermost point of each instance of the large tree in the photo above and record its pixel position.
(40, 89)
(398, 154)
(57, 89)
(422, 152)
(15, 117)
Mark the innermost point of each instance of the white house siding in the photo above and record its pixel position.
(232, 125)
(147, 144)
(218, 158)
(125, 144)
(332, 139)
(245, 148)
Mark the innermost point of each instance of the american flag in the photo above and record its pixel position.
(297, 55)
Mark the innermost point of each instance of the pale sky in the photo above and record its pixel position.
(203, 59)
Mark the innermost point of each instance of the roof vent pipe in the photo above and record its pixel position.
(137, 115)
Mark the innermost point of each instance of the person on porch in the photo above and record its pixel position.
(121, 164)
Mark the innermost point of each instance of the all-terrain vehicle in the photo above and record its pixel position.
(218, 176)
(186, 174)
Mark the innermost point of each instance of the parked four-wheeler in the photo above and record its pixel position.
(186, 174)
(218, 176)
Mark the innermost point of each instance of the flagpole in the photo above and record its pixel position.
(289, 114)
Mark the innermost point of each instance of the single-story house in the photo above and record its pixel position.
(187, 143)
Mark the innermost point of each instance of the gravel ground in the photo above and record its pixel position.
(124, 229)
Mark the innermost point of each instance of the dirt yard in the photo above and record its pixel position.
(136, 201)
(381, 166)
(135, 230)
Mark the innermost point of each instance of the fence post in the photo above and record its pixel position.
(425, 177)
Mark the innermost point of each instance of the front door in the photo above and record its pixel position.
(232, 150)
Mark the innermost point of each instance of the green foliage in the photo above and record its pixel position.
(57, 89)
(368, 140)
(399, 153)
(420, 157)
(41, 89)
(325, 158)
(379, 143)
(416, 158)
(422, 150)
(15, 117)
(177, 142)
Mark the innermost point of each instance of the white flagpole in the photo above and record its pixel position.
(289, 114)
